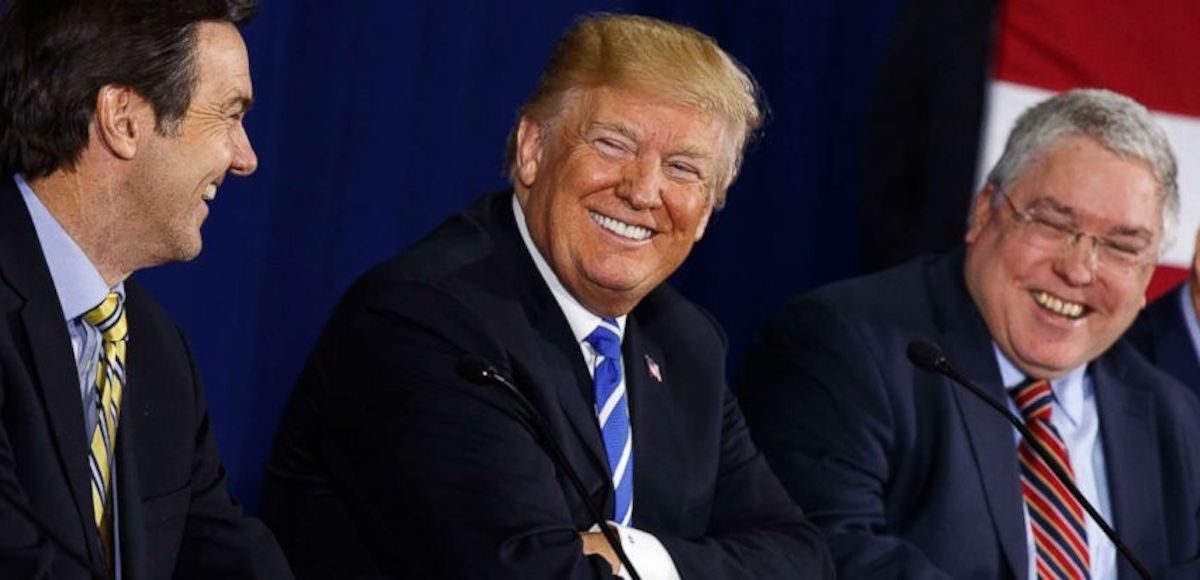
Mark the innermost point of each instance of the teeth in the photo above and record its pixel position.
(1057, 305)
(620, 228)
(210, 192)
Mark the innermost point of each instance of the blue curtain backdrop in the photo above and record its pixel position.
(376, 119)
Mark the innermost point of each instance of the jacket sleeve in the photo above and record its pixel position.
(219, 541)
(819, 409)
(439, 477)
(754, 530)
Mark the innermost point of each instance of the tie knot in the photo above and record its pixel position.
(605, 340)
(1033, 398)
(109, 318)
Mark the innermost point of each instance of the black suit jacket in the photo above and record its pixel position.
(443, 478)
(176, 518)
(1161, 333)
(911, 476)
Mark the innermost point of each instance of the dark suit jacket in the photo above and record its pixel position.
(1161, 333)
(911, 476)
(444, 478)
(176, 518)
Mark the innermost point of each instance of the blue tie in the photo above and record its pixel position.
(612, 410)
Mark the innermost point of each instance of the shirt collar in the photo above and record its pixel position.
(581, 320)
(1070, 390)
(79, 285)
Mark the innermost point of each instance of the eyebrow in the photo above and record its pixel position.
(624, 130)
(689, 151)
(246, 103)
(1116, 230)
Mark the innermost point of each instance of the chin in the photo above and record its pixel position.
(189, 249)
(1055, 363)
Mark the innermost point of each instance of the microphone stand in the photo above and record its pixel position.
(930, 358)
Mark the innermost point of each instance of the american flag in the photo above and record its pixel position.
(652, 366)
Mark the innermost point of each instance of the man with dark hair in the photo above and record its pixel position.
(617, 161)
(911, 476)
(118, 121)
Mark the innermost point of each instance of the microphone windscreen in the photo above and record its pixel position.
(925, 355)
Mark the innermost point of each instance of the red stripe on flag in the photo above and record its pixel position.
(1165, 279)
(1137, 48)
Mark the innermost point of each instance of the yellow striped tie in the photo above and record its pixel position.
(109, 318)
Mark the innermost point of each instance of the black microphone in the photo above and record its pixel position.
(930, 358)
(481, 372)
(43, 529)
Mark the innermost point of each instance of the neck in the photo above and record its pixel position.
(87, 209)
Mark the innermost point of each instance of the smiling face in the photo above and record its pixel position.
(616, 189)
(177, 174)
(1051, 311)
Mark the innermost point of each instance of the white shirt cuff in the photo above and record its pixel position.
(645, 552)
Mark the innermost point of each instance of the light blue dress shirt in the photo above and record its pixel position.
(80, 288)
(1074, 415)
(1189, 316)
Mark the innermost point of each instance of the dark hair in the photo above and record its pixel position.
(55, 55)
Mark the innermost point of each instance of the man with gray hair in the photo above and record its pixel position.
(911, 476)
(618, 160)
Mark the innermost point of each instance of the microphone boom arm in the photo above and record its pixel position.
(929, 357)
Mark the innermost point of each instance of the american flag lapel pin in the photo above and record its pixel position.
(653, 369)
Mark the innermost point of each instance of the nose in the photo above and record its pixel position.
(1077, 261)
(244, 159)
(641, 183)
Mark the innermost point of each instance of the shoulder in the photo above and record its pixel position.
(665, 312)
(904, 300)
(1159, 317)
(466, 251)
(149, 322)
(449, 291)
(1128, 366)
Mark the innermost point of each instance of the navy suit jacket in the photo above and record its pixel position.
(911, 476)
(176, 518)
(439, 477)
(1161, 333)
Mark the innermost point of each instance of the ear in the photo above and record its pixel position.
(981, 212)
(703, 225)
(121, 120)
(531, 141)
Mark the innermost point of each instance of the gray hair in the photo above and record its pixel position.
(1118, 123)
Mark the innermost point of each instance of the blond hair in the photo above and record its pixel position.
(669, 61)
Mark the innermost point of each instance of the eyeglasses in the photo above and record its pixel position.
(1049, 230)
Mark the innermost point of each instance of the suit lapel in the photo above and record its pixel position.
(652, 416)
(1131, 465)
(129, 499)
(565, 378)
(968, 347)
(564, 368)
(24, 266)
